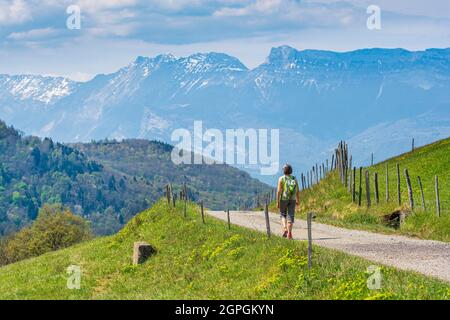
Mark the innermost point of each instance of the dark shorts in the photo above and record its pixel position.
(287, 210)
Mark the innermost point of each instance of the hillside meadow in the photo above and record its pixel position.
(205, 261)
(332, 203)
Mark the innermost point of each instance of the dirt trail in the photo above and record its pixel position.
(431, 258)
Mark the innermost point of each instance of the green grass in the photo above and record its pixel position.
(197, 261)
(333, 203)
(425, 162)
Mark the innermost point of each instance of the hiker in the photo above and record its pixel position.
(288, 197)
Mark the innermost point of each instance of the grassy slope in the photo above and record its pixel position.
(333, 203)
(196, 261)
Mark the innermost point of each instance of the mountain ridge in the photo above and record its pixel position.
(172, 57)
(312, 96)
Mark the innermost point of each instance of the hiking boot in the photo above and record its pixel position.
(285, 234)
(290, 236)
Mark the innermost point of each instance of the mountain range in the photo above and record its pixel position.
(377, 99)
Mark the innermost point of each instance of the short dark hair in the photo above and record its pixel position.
(287, 169)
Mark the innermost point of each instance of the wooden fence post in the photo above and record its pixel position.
(345, 167)
(228, 217)
(182, 194)
(185, 207)
(438, 201)
(203, 213)
(350, 181)
(341, 161)
(412, 149)
(410, 192)
(424, 207)
(317, 173)
(174, 199)
(377, 195)
(399, 191)
(266, 214)
(372, 159)
(344, 161)
(187, 193)
(387, 182)
(308, 184)
(310, 215)
(168, 194)
(350, 175)
(354, 186)
(368, 189)
(307, 179)
(360, 187)
(338, 160)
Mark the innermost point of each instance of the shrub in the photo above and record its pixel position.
(55, 228)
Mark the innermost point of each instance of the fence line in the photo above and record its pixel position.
(342, 163)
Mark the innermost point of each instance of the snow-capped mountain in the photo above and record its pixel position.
(41, 89)
(23, 98)
(314, 97)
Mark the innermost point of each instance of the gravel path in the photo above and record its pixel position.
(431, 258)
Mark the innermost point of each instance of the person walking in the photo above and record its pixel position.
(288, 197)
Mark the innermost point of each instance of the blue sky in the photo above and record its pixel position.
(34, 37)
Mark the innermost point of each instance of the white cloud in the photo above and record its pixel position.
(295, 13)
(258, 7)
(175, 5)
(244, 28)
(429, 8)
(80, 76)
(14, 12)
(34, 34)
(97, 6)
(122, 30)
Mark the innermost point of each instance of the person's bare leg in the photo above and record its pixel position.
(284, 224)
(289, 228)
(290, 224)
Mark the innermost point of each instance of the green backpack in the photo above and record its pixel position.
(289, 187)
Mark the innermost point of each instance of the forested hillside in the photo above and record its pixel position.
(105, 182)
(218, 185)
(34, 172)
